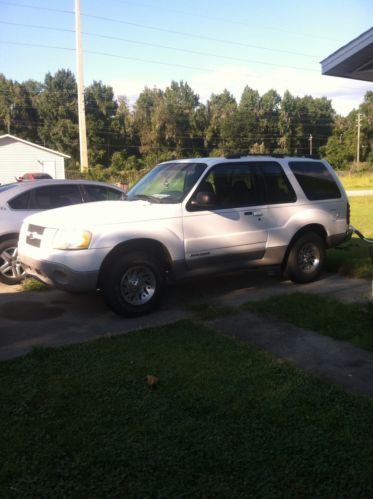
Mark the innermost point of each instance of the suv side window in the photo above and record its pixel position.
(234, 185)
(101, 193)
(315, 180)
(278, 187)
(54, 196)
(20, 202)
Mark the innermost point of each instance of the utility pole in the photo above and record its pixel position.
(358, 138)
(310, 139)
(80, 82)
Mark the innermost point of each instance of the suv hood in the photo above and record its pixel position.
(103, 213)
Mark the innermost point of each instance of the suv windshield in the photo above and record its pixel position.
(167, 182)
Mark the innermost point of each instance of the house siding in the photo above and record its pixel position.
(17, 158)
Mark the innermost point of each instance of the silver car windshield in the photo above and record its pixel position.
(167, 183)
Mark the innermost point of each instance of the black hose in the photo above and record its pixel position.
(358, 233)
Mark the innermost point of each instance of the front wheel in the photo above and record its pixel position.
(11, 270)
(306, 258)
(133, 284)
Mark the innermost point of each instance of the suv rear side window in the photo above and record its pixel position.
(315, 180)
(278, 187)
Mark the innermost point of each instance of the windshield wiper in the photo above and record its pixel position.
(146, 197)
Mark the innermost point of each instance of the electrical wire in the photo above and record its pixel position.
(154, 45)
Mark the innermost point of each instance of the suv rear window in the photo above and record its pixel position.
(315, 180)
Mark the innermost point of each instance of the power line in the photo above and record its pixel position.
(244, 23)
(107, 54)
(154, 45)
(225, 21)
(148, 27)
(35, 7)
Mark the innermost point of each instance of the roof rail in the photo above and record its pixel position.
(274, 155)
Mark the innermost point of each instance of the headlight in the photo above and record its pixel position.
(72, 239)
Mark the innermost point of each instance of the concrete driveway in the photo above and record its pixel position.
(54, 318)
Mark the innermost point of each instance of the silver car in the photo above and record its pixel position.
(20, 199)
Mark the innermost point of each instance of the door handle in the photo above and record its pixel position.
(257, 213)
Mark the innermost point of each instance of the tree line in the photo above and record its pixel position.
(173, 123)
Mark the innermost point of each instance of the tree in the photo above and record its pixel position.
(248, 116)
(366, 110)
(6, 104)
(122, 129)
(269, 109)
(340, 148)
(101, 109)
(176, 114)
(57, 109)
(288, 121)
(24, 116)
(221, 132)
(147, 124)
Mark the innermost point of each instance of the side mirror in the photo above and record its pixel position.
(204, 200)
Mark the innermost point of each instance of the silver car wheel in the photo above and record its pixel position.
(10, 266)
(308, 258)
(138, 285)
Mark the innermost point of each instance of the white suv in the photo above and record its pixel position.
(189, 217)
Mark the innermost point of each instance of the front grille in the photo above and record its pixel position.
(33, 235)
(36, 228)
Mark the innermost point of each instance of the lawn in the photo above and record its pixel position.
(344, 321)
(362, 214)
(226, 420)
(357, 181)
(354, 258)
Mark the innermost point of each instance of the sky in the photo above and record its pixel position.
(210, 44)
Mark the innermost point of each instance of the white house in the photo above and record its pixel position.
(18, 156)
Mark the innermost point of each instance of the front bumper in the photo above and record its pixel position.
(60, 276)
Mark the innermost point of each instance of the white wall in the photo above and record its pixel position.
(17, 158)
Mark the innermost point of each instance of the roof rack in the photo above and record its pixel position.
(275, 155)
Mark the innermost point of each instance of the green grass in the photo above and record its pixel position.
(226, 420)
(349, 322)
(357, 181)
(354, 257)
(30, 284)
(362, 214)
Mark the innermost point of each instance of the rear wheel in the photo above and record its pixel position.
(11, 270)
(133, 284)
(306, 258)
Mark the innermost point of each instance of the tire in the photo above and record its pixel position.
(134, 284)
(306, 258)
(11, 271)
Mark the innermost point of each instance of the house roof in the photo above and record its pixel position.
(13, 137)
(353, 60)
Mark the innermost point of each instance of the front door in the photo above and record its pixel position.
(234, 226)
